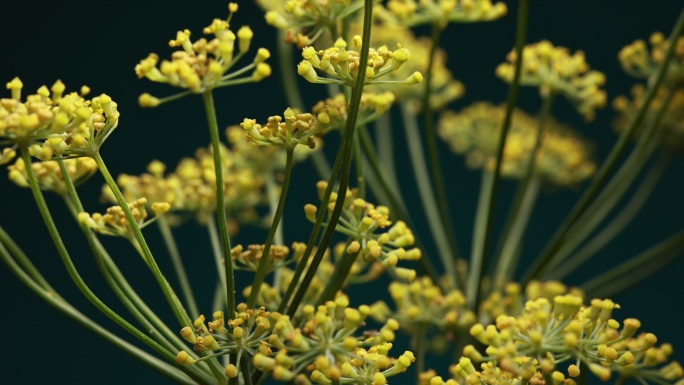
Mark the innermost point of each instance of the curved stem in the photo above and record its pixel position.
(435, 169)
(478, 262)
(221, 216)
(178, 310)
(261, 269)
(55, 300)
(345, 152)
(177, 262)
(601, 176)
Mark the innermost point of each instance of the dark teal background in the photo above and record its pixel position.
(98, 44)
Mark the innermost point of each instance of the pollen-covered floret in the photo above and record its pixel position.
(555, 71)
(641, 61)
(288, 130)
(55, 124)
(563, 159)
(49, 174)
(334, 110)
(205, 63)
(114, 222)
(342, 66)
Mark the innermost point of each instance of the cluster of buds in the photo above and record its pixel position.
(563, 158)
(250, 258)
(289, 130)
(49, 174)
(639, 61)
(667, 112)
(555, 71)
(245, 335)
(412, 13)
(114, 222)
(191, 187)
(54, 124)
(443, 87)
(307, 20)
(422, 304)
(379, 239)
(334, 110)
(342, 65)
(545, 333)
(203, 65)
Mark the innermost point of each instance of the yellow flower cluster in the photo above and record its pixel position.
(362, 221)
(421, 304)
(54, 124)
(547, 332)
(114, 222)
(191, 187)
(563, 159)
(555, 71)
(413, 13)
(334, 110)
(250, 257)
(295, 129)
(638, 60)
(307, 20)
(49, 174)
(202, 65)
(343, 65)
(443, 88)
(670, 124)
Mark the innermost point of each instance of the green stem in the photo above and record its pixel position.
(385, 150)
(420, 345)
(222, 219)
(261, 269)
(636, 268)
(515, 226)
(360, 172)
(55, 300)
(611, 161)
(177, 262)
(435, 168)
(478, 261)
(26, 264)
(479, 229)
(75, 276)
(339, 276)
(345, 152)
(432, 208)
(617, 224)
(178, 310)
(273, 198)
(214, 240)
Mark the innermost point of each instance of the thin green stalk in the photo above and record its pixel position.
(177, 261)
(215, 242)
(440, 233)
(515, 226)
(75, 276)
(261, 269)
(478, 264)
(617, 224)
(636, 268)
(55, 300)
(178, 310)
(435, 166)
(26, 264)
(273, 194)
(419, 344)
(479, 229)
(611, 161)
(360, 172)
(345, 154)
(393, 199)
(385, 150)
(221, 216)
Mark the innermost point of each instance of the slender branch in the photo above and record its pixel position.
(177, 262)
(478, 264)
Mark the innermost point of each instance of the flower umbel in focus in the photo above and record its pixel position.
(202, 65)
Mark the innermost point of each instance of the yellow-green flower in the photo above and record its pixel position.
(640, 61)
(49, 174)
(114, 222)
(412, 13)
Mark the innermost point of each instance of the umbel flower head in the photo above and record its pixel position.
(334, 111)
(49, 174)
(308, 20)
(342, 65)
(54, 124)
(547, 339)
(640, 61)
(564, 158)
(412, 13)
(289, 130)
(204, 64)
(114, 221)
(555, 71)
